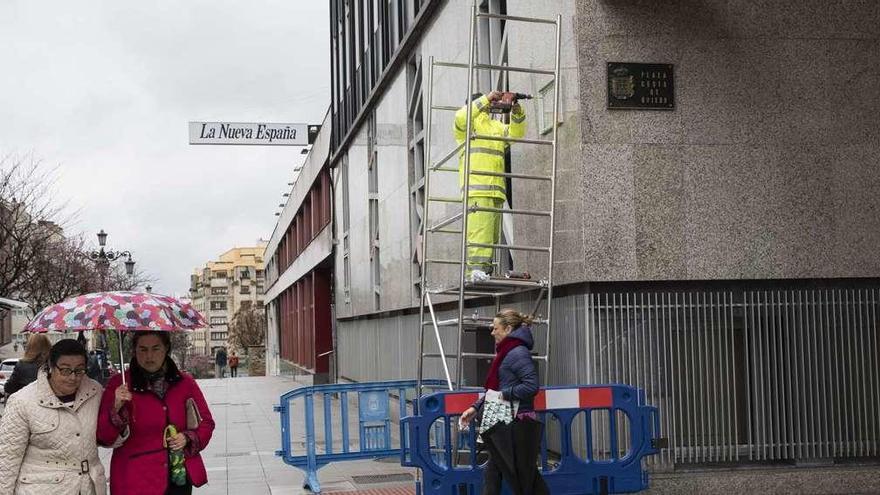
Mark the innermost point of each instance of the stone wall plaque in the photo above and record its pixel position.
(641, 86)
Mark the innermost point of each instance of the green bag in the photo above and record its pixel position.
(175, 459)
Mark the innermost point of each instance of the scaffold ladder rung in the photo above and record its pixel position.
(438, 261)
(546, 142)
(507, 175)
(503, 68)
(503, 17)
(445, 199)
(535, 213)
(514, 247)
(470, 323)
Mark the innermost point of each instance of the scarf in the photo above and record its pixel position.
(493, 381)
(156, 382)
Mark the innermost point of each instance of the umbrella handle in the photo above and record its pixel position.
(121, 359)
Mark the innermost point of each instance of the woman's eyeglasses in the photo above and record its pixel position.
(71, 371)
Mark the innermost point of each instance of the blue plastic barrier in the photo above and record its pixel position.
(374, 438)
(432, 443)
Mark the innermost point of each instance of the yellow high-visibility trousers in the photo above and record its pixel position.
(483, 227)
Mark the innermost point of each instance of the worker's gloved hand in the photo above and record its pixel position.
(494, 96)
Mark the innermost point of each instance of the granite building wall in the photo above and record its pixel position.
(767, 167)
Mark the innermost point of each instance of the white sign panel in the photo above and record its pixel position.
(248, 133)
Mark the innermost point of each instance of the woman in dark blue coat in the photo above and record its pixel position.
(515, 376)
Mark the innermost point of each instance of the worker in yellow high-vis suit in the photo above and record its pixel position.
(485, 191)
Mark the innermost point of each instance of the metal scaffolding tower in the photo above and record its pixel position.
(441, 231)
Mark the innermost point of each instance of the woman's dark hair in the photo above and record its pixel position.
(65, 347)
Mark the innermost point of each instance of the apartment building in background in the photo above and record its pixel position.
(13, 317)
(221, 287)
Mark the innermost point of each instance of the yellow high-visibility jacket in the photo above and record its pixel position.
(486, 155)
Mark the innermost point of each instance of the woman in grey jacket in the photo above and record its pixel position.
(48, 430)
(514, 375)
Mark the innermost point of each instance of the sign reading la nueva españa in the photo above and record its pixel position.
(248, 133)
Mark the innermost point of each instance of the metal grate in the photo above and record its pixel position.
(382, 478)
(757, 375)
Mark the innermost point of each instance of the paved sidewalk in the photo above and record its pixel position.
(241, 456)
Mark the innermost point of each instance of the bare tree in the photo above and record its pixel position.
(60, 272)
(180, 348)
(248, 328)
(29, 221)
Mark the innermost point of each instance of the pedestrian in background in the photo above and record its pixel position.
(25, 371)
(48, 430)
(233, 365)
(220, 363)
(163, 419)
(514, 377)
(94, 368)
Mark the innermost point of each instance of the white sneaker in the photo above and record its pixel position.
(479, 276)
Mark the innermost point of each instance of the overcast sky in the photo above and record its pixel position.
(103, 89)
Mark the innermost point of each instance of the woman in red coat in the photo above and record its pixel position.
(137, 414)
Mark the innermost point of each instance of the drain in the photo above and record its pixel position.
(382, 478)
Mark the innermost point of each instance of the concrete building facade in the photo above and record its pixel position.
(721, 254)
(235, 280)
(299, 270)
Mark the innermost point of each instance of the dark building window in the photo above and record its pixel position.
(364, 35)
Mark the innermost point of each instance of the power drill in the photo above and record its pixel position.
(507, 101)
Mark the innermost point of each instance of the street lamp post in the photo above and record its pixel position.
(103, 258)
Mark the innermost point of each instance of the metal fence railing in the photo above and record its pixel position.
(323, 424)
(745, 375)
